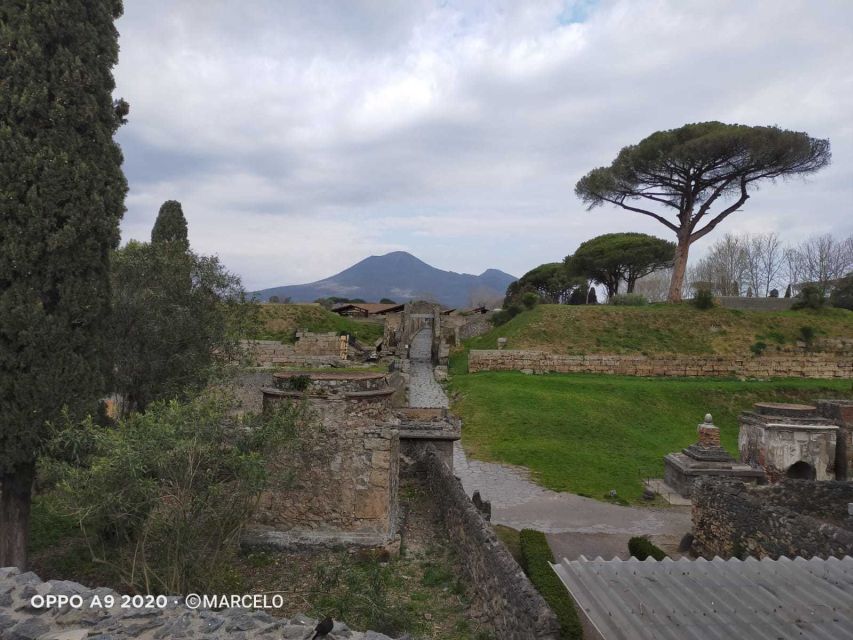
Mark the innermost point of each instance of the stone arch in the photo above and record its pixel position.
(801, 470)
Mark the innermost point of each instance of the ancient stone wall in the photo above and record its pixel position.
(816, 365)
(755, 304)
(309, 348)
(517, 610)
(341, 486)
(794, 518)
(21, 621)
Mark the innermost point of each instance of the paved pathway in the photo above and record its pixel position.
(424, 391)
(575, 525)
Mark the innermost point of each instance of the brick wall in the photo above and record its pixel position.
(794, 518)
(516, 610)
(817, 365)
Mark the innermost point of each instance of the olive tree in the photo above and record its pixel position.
(692, 178)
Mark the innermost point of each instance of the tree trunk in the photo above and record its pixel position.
(679, 268)
(15, 501)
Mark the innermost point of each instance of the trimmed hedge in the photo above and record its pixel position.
(641, 548)
(535, 558)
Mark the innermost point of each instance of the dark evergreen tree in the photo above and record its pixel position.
(62, 199)
(592, 298)
(579, 295)
(788, 292)
(171, 225)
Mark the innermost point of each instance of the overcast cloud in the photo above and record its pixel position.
(304, 136)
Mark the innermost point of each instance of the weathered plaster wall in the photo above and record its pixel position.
(817, 365)
(518, 611)
(776, 447)
(793, 518)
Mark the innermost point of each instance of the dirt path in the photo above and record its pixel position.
(575, 525)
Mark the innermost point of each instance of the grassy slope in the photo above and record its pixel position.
(589, 434)
(659, 329)
(280, 322)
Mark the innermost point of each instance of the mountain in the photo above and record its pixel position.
(399, 276)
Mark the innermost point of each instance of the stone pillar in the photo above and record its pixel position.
(709, 434)
(841, 413)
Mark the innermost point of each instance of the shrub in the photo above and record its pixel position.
(641, 548)
(505, 315)
(704, 299)
(842, 295)
(164, 496)
(810, 297)
(535, 558)
(300, 382)
(758, 348)
(807, 335)
(530, 299)
(629, 300)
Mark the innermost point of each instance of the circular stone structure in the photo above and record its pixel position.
(363, 386)
(785, 409)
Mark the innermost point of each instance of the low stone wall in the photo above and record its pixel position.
(20, 621)
(309, 349)
(742, 303)
(817, 365)
(793, 518)
(516, 610)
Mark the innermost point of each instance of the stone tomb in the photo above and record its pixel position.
(343, 487)
(788, 441)
(704, 459)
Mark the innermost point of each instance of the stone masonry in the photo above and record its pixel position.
(816, 365)
(793, 518)
(21, 621)
(516, 610)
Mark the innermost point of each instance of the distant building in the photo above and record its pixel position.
(366, 309)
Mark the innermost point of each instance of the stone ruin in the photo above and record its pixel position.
(345, 490)
(705, 458)
(788, 441)
(776, 441)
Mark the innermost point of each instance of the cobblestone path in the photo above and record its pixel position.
(424, 391)
(575, 525)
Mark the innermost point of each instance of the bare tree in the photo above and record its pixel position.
(821, 260)
(724, 268)
(654, 286)
(764, 258)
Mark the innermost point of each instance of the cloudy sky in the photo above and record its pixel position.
(304, 136)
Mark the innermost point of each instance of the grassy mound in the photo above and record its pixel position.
(589, 434)
(661, 329)
(281, 321)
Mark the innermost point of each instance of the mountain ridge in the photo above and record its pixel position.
(400, 276)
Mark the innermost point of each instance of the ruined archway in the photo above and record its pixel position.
(801, 471)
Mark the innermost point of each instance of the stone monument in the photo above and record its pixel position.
(705, 458)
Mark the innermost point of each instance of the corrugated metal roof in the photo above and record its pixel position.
(727, 599)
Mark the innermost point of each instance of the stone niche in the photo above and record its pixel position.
(705, 459)
(788, 441)
(342, 486)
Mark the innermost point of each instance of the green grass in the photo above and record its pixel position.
(281, 321)
(660, 328)
(535, 558)
(589, 434)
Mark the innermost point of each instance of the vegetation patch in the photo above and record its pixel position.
(282, 321)
(536, 557)
(641, 548)
(657, 329)
(592, 433)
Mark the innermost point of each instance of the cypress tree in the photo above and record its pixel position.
(62, 199)
(171, 225)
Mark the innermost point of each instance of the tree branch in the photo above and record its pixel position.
(744, 196)
(660, 219)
